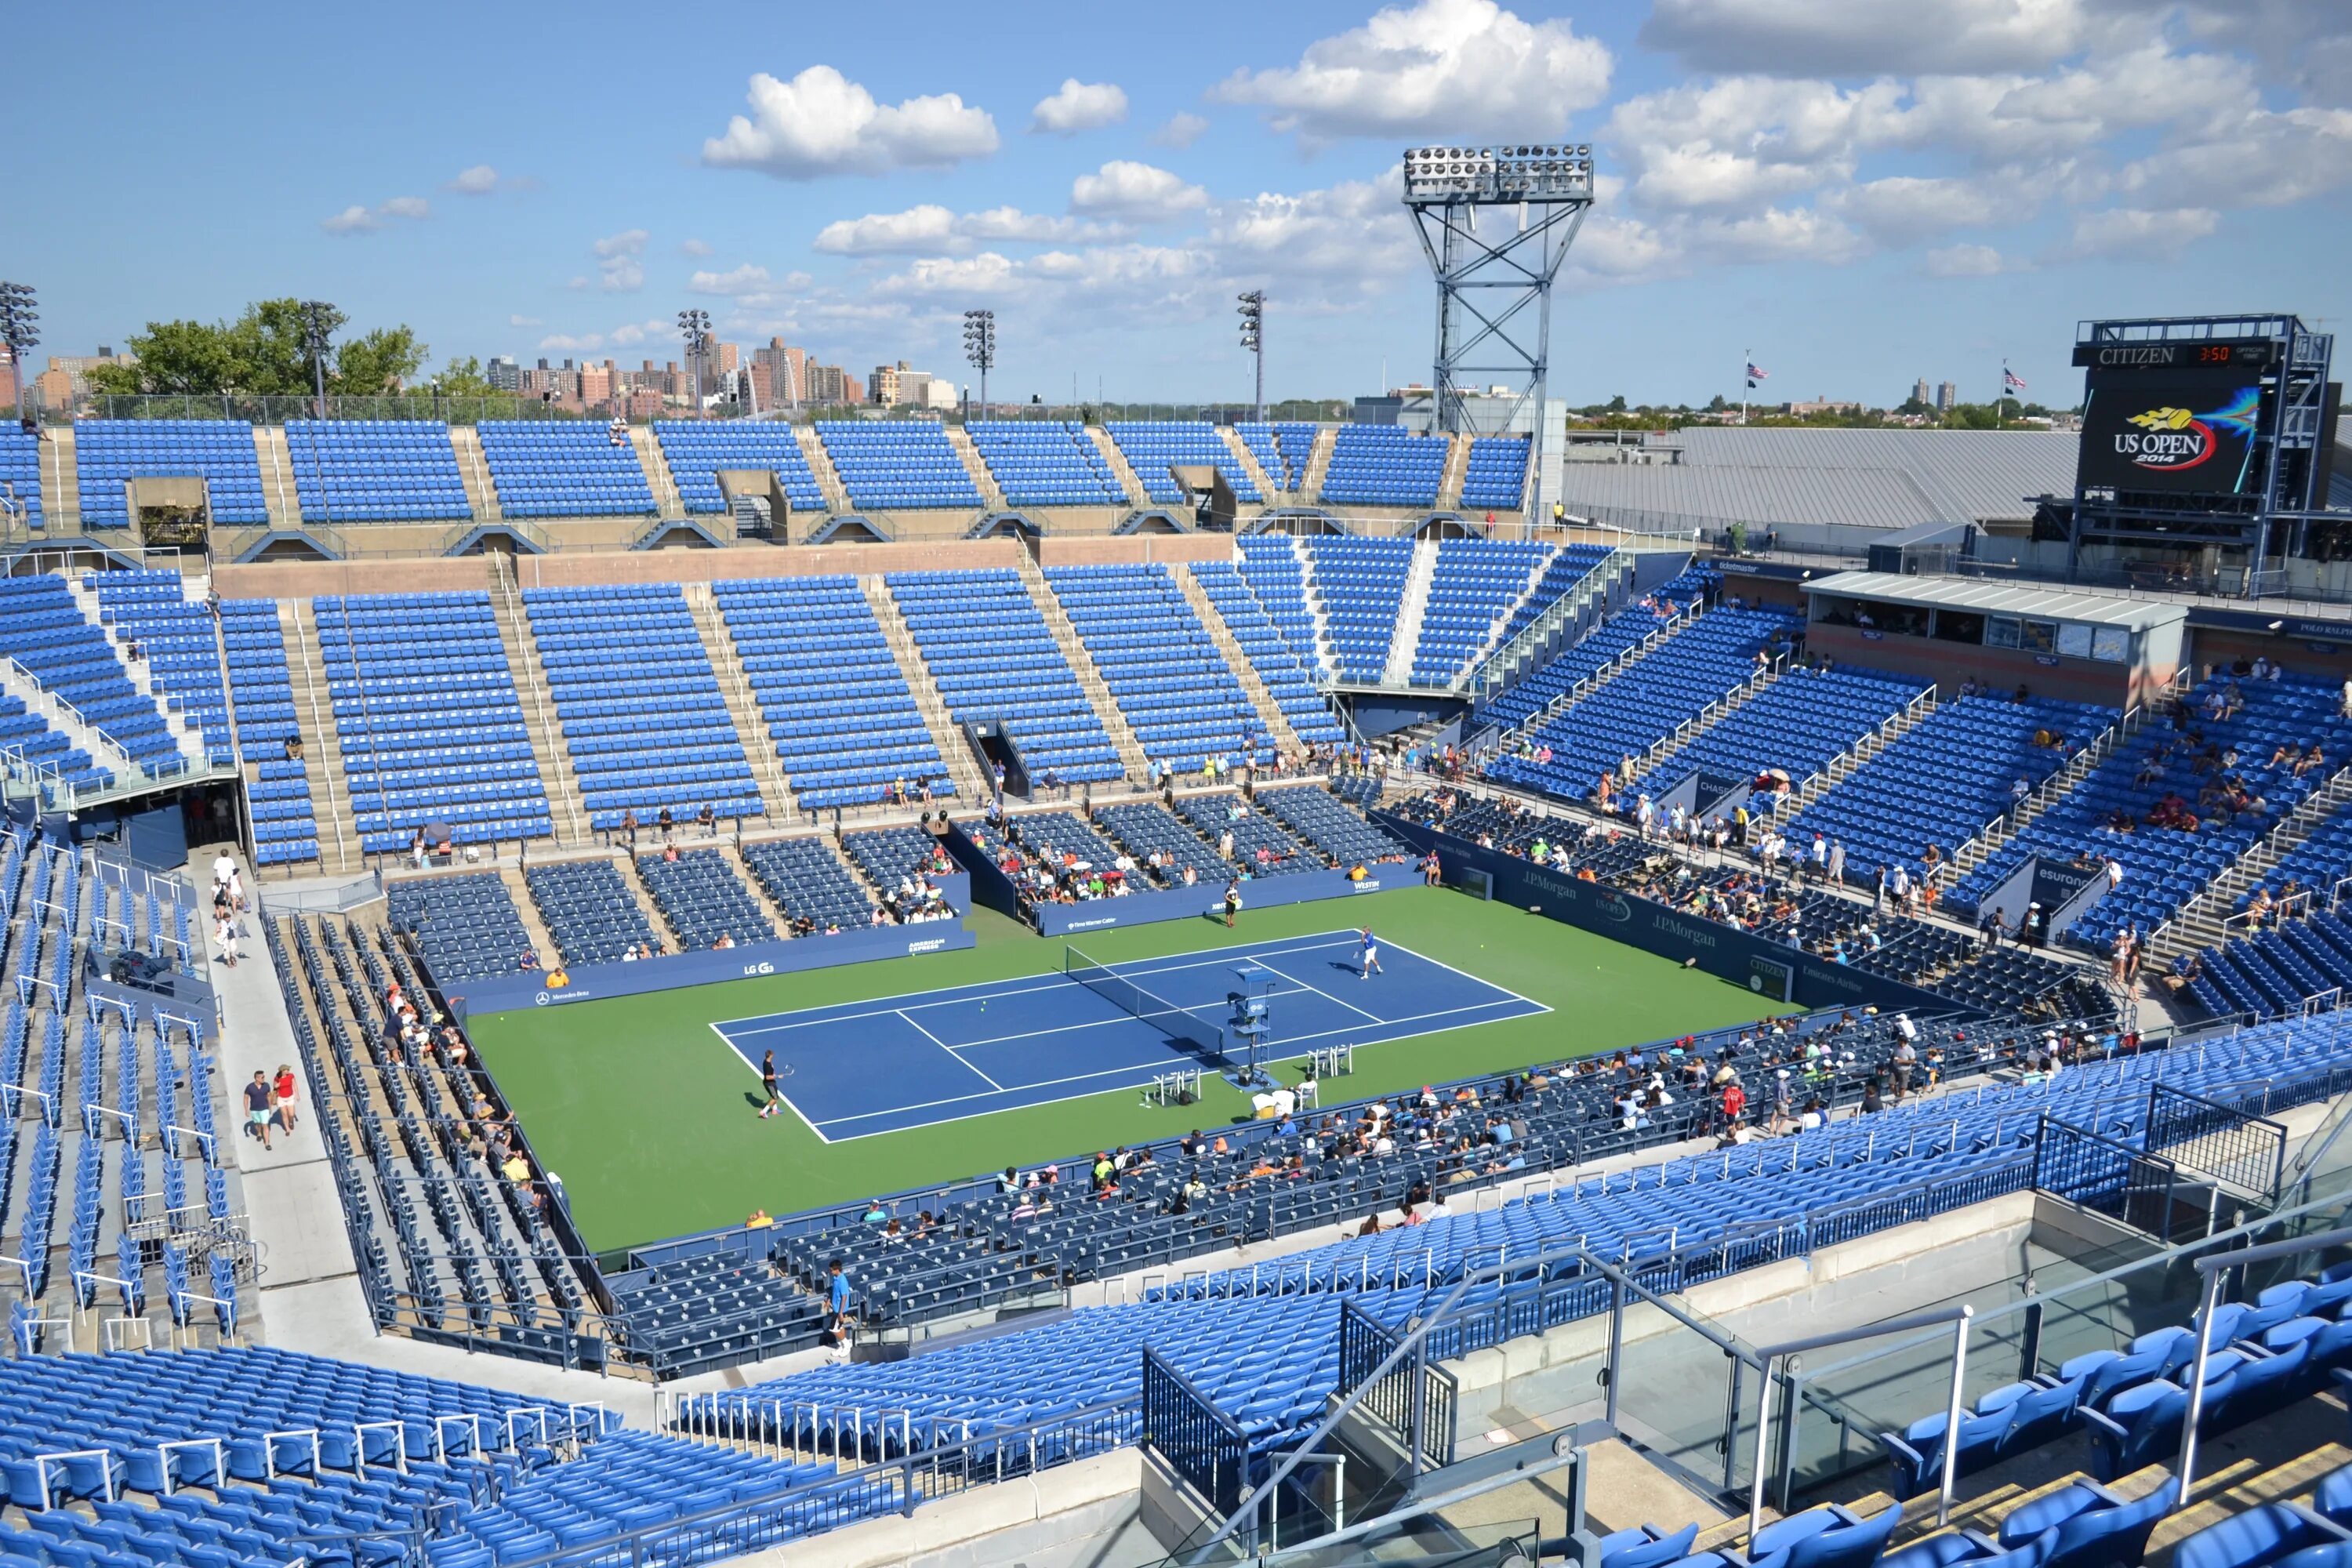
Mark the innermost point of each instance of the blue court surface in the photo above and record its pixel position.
(884, 1065)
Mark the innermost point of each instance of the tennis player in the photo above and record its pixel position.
(767, 1082)
(1371, 964)
(1232, 900)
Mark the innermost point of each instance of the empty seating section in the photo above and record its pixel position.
(27, 735)
(426, 713)
(807, 881)
(108, 453)
(697, 450)
(1496, 474)
(1384, 464)
(642, 715)
(43, 629)
(1611, 640)
(1259, 439)
(1045, 463)
(563, 467)
(262, 688)
(705, 1313)
(1796, 725)
(2170, 773)
(375, 470)
(1697, 665)
(838, 710)
(1475, 583)
(991, 655)
(231, 1457)
(1316, 816)
(1360, 583)
(1169, 679)
(1153, 447)
(465, 925)
(1945, 781)
(1259, 845)
(20, 478)
(1275, 570)
(1287, 677)
(2275, 970)
(1296, 438)
(890, 855)
(1144, 828)
(589, 910)
(1562, 576)
(703, 900)
(175, 648)
(898, 465)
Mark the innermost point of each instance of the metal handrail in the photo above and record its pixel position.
(2213, 1266)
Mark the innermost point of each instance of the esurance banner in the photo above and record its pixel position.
(2191, 434)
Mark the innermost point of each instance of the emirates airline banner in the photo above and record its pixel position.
(2189, 434)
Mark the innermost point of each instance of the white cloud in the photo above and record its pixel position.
(1349, 232)
(524, 322)
(639, 332)
(1180, 131)
(407, 206)
(694, 248)
(619, 269)
(478, 181)
(1970, 261)
(910, 233)
(1741, 142)
(2264, 160)
(1010, 223)
(576, 283)
(2139, 232)
(1862, 38)
(1904, 209)
(1079, 106)
(821, 122)
(1123, 188)
(623, 336)
(747, 278)
(351, 220)
(1449, 67)
(572, 341)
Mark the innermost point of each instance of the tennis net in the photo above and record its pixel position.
(1206, 1038)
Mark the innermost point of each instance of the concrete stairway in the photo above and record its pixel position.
(1319, 464)
(475, 470)
(1327, 664)
(775, 793)
(769, 910)
(1844, 766)
(1650, 763)
(820, 462)
(970, 783)
(535, 925)
(277, 491)
(1980, 848)
(60, 487)
(1119, 468)
(649, 458)
(331, 813)
(1457, 468)
(1608, 673)
(984, 481)
(530, 676)
(1489, 644)
(2201, 921)
(1090, 680)
(1266, 486)
(1405, 635)
(1269, 712)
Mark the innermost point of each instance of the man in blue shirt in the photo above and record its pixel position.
(836, 1302)
(1371, 961)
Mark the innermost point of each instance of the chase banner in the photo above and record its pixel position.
(2192, 434)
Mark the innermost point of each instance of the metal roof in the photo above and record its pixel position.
(1884, 497)
(1966, 476)
(1998, 598)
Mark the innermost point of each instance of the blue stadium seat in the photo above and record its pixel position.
(375, 470)
(698, 449)
(1152, 447)
(898, 465)
(107, 453)
(1045, 463)
(1384, 464)
(563, 467)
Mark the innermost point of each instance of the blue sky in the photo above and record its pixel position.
(1858, 192)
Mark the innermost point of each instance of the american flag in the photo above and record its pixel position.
(2009, 381)
(1756, 373)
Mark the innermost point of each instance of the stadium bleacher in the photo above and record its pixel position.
(20, 475)
(1288, 679)
(108, 453)
(45, 631)
(1167, 678)
(808, 881)
(1044, 463)
(898, 465)
(173, 636)
(285, 829)
(563, 467)
(431, 729)
(703, 898)
(697, 450)
(1296, 440)
(1797, 725)
(1153, 447)
(1473, 586)
(641, 712)
(589, 911)
(1268, 452)
(465, 925)
(1384, 464)
(1496, 474)
(375, 470)
(991, 655)
(1360, 582)
(1605, 643)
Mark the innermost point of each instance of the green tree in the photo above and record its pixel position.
(464, 378)
(260, 353)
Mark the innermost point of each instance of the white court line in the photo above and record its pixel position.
(951, 1051)
(1115, 1072)
(1309, 985)
(737, 1052)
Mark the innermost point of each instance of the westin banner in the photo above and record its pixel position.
(2189, 434)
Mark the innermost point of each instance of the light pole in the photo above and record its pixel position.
(19, 324)
(979, 349)
(1253, 314)
(318, 325)
(694, 326)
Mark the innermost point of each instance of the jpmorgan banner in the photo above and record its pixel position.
(2191, 434)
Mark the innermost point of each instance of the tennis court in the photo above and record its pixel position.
(900, 1062)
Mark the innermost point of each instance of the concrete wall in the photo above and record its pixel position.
(987, 1525)
(1056, 550)
(2075, 679)
(306, 579)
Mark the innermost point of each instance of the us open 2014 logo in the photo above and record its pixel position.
(2168, 441)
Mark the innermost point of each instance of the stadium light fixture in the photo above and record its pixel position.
(1253, 314)
(979, 349)
(317, 319)
(20, 330)
(694, 326)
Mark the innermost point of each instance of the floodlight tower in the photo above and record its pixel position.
(1252, 314)
(318, 328)
(1494, 292)
(694, 326)
(20, 330)
(979, 349)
